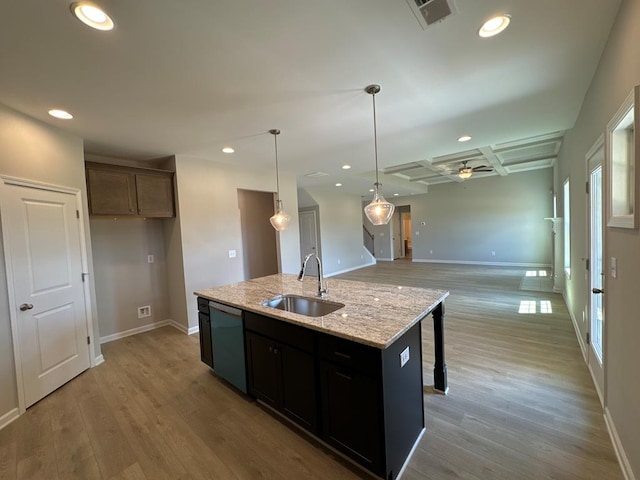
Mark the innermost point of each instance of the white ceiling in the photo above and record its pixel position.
(191, 76)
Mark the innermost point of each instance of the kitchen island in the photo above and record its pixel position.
(353, 377)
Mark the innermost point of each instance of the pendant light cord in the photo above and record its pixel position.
(275, 141)
(275, 132)
(375, 137)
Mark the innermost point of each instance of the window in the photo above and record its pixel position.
(567, 229)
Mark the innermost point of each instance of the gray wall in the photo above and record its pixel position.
(34, 150)
(209, 226)
(340, 230)
(617, 73)
(467, 221)
(123, 277)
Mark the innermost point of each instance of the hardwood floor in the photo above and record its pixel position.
(521, 403)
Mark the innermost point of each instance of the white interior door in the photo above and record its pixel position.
(596, 271)
(309, 238)
(44, 268)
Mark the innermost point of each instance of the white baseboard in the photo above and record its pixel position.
(134, 331)
(146, 328)
(99, 360)
(490, 264)
(576, 329)
(382, 259)
(350, 269)
(617, 446)
(182, 328)
(9, 417)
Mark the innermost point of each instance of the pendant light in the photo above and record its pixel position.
(280, 220)
(379, 211)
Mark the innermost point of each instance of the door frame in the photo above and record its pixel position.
(6, 181)
(316, 213)
(599, 143)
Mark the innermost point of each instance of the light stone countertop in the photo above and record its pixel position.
(373, 314)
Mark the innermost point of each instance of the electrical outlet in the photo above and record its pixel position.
(404, 357)
(493, 253)
(150, 259)
(232, 254)
(339, 261)
(417, 233)
(361, 257)
(430, 252)
(144, 312)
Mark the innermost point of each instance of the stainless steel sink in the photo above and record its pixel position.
(309, 306)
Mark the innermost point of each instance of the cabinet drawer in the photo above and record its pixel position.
(203, 305)
(281, 331)
(350, 354)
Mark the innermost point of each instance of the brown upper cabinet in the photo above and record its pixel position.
(138, 192)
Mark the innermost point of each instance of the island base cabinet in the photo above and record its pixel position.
(281, 376)
(262, 363)
(204, 326)
(351, 415)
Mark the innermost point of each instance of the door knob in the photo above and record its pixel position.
(597, 290)
(26, 306)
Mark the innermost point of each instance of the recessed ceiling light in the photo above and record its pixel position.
(396, 194)
(346, 167)
(92, 15)
(60, 114)
(228, 150)
(338, 184)
(371, 189)
(494, 26)
(464, 138)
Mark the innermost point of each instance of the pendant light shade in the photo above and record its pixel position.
(280, 220)
(379, 211)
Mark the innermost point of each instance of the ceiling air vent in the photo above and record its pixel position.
(429, 12)
(316, 175)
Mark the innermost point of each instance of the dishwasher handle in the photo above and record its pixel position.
(225, 308)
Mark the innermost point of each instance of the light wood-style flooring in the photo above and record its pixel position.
(521, 403)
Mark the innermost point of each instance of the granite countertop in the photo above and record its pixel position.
(373, 314)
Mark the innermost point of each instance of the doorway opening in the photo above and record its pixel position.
(259, 240)
(401, 233)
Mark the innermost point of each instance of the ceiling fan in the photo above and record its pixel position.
(466, 171)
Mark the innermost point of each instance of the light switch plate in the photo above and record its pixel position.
(150, 259)
(232, 254)
(404, 357)
(614, 267)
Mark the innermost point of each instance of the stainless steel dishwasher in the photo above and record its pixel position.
(227, 338)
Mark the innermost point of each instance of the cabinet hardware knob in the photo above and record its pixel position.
(26, 306)
(597, 290)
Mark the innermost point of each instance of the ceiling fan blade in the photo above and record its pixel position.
(476, 169)
(483, 170)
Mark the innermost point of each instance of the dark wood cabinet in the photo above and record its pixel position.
(352, 414)
(204, 325)
(280, 374)
(262, 369)
(128, 191)
(366, 402)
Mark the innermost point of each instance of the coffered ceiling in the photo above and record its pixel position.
(189, 77)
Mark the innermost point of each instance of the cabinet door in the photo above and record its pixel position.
(352, 415)
(155, 195)
(111, 192)
(206, 349)
(299, 387)
(262, 369)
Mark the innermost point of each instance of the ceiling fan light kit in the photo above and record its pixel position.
(466, 171)
(379, 211)
(280, 220)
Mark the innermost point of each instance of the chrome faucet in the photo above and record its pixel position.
(322, 291)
